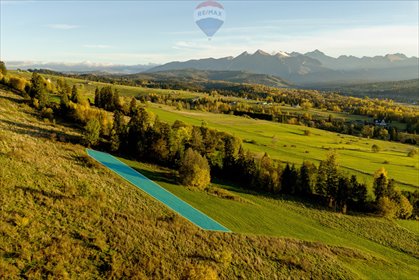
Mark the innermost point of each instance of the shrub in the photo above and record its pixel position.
(386, 207)
(200, 272)
(412, 153)
(375, 148)
(17, 83)
(307, 132)
(405, 209)
(225, 257)
(47, 113)
(35, 103)
(194, 170)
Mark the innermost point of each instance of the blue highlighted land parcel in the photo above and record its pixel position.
(156, 191)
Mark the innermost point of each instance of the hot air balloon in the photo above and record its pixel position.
(209, 16)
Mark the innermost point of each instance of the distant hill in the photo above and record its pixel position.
(82, 67)
(402, 91)
(313, 68)
(204, 76)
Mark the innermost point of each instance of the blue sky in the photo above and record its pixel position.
(141, 32)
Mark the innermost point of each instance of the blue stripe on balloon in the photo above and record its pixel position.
(209, 25)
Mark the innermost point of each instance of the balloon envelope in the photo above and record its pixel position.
(209, 16)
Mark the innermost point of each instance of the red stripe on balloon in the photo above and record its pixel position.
(210, 4)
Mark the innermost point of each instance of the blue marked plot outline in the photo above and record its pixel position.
(151, 188)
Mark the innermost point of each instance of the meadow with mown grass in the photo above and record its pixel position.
(64, 216)
(254, 213)
(290, 143)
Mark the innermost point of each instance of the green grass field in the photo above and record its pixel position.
(288, 143)
(394, 245)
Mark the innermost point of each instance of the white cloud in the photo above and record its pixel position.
(63, 26)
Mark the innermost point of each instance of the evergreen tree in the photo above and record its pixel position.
(343, 193)
(247, 169)
(138, 129)
(97, 98)
(132, 106)
(74, 94)
(118, 130)
(3, 69)
(160, 142)
(358, 192)
(321, 179)
(307, 178)
(231, 148)
(64, 103)
(196, 142)
(38, 90)
(394, 135)
(116, 102)
(332, 178)
(381, 184)
(92, 132)
(327, 182)
(289, 180)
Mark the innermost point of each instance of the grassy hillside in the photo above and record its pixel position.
(289, 143)
(396, 245)
(402, 91)
(203, 76)
(63, 216)
(87, 88)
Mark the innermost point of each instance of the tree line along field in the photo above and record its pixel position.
(290, 144)
(281, 141)
(66, 217)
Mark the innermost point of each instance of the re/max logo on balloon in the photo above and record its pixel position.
(209, 13)
(209, 16)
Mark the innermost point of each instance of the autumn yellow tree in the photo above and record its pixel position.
(194, 170)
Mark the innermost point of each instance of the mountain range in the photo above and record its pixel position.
(310, 68)
(313, 69)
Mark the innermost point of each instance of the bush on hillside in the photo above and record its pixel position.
(386, 207)
(194, 170)
(375, 148)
